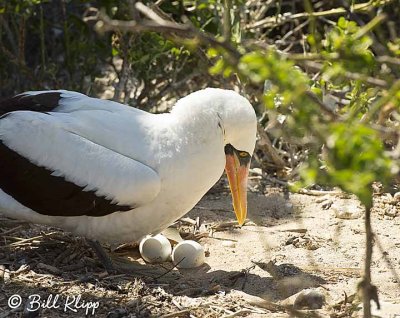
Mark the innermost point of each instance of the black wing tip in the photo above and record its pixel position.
(36, 188)
(41, 102)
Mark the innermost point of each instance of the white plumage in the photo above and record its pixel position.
(159, 165)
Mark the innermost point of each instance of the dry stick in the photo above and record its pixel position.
(276, 21)
(183, 312)
(388, 60)
(382, 102)
(171, 269)
(158, 24)
(369, 26)
(326, 109)
(306, 61)
(267, 147)
(335, 57)
(8, 232)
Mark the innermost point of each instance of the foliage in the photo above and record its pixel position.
(346, 150)
(325, 73)
(47, 45)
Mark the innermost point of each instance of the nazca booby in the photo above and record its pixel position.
(114, 173)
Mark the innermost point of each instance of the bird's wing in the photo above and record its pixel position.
(48, 166)
(58, 101)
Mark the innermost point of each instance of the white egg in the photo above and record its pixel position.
(188, 254)
(155, 249)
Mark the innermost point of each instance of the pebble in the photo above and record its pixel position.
(310, 299)
(256, 171)
(347, 212)
(289, 205)
(327, 204)
(391, 211)
(396, 196)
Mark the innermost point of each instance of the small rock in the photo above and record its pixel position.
(391, 211)
(310, 299)
(256, 171)
(347, 212)
(387, 197)
(289, 205)
(396, 196)
(327, 204)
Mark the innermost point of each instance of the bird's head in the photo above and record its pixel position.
(239, 124)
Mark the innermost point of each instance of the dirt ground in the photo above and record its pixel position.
(291, 243)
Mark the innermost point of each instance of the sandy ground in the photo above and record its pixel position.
(292, 242)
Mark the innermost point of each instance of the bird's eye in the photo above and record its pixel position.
(243, 154)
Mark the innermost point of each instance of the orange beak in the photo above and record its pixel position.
(237, 171)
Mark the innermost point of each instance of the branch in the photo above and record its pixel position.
(267, 147)
(276, 21)
(155, 23)
(349, 75)
(382, 59)
(381, 102)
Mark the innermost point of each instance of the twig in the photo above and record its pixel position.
(326, 109)
(241, 312)
(157, 24)
(10, 231)
(171, 269)
(276, 180)
(266, 145)
(307, 62)
(388, 59)
(176, 313)
(282, 19)
(318, 193)
(381, 102)
(369, 26)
